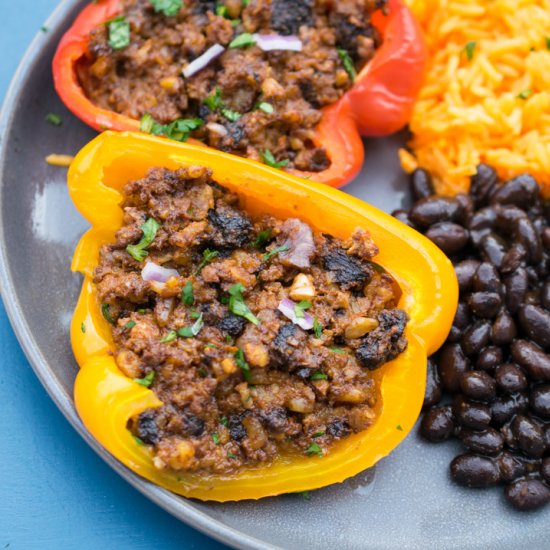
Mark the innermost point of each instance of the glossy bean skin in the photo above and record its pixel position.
(511, 466)
(449, 237)
(421, 184)
(532, 358)
(478, 385)
(529, 436)
(433, 392)
(452, 363)
(504, 329)
(487, 279)
(505, 407)
(471, 415)
(521, 191)
(489, 358)
(535, 321)
(539, 400)
(487, 442)
(475, 471)
(482, 184)
(476, 337)
(465, 272)
(431, 210)
(437, 424)
(527, 494)
(485, 304)
(510, 378)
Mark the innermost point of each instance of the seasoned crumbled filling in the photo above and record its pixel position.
(241, 381)
(262, 105)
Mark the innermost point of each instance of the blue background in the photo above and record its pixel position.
(55, 493)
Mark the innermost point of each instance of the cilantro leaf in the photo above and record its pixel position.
(138, 251)
(469, 49)
(119, 33)
(172, 335)
(129, 325)
(106, 312)
(54, 119)
(214, 100)
(265, 107)
(318, 376)
(270, 160)
(230, 115)
(216, 438)
(147, 381)
(207, 256)
(242, 364)
(238, 306)
(187, 296)
(314, 449)
(170, 8)
(300, 308)
(242, 41)
(268, 255)
(193, 330)
(262, 239)
(317, 328)
(347, 61)
(525, 94)
(178, 130)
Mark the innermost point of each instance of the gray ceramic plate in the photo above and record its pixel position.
(407, 501)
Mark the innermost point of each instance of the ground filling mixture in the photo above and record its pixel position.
(259, 336)
(260, 104)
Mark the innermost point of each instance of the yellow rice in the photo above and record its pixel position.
(494, 107)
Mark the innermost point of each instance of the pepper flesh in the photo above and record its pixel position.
(379, 103)
(106, 399)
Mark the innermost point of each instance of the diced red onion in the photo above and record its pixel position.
(216, 128)
(270, 42)
(154, 272)
(203, 61)
(299, 241)
(286, 307)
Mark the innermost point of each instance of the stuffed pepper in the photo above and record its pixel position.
(242, 332)
(290, 83)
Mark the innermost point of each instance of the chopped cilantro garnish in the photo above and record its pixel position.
(231, 455)
(306, 495)
(119, 33)
(317, 328)
(236, 22)
(54, 119)
(469, 49)
(83, 328)
(318, 376)
(172, 335)
(214, 100)
(238, 306)
(194, 314)
(138, 251)
(106, 312)
(300, 308)
(224, 421)
(207, 256)
(242, 364)
(262, 239)
(187, 296)
(178, 130)
(216, 438)
(228, 339)
(337, 350)
(318, 434)
(245, 3)
(203, 373)
(270, 160)
(265, 107)
(193, 330)
(268, 255)
(314, 449)
(221, 10)
(138, 441)
(230, 115)
(210, 346)
(399, 427)
(242, 40)
(129, 325)
(547, 42)
(168, 7)
(347, 61)
(142, 311)
(525, 94)
(147, 381)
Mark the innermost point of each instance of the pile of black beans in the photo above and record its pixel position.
(489, 385)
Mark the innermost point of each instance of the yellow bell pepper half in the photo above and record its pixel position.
(105, 398)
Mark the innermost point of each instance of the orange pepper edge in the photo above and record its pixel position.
(379, 103)
(106, 399)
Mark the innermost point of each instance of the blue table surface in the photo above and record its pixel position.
(55, 493)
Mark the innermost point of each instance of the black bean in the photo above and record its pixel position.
(432, 393)
(487, 279)
(476, 337)
(435, 209)
(487, 442)
(232, 324)
(465, 272)
(455, 334)
(421, 184)
(276, 419)
(505, 407)
(521, 191)
(527, 494)
(146, 427)
(489, 358)
(192, 424)
(504, 329)
(493, 249)
(471, 415)
(507, 216)
(437, 424)
(462, 316)
(451, 364)
(449, 237)
(545, 295)
(539, 400)
(545, 469)
(485, 304)
(478, 385)
(516, 285)
(474, 471)
(511, 466)
(510, 378)
(482, 184)
(338, 428)
(467, 204)
(535, 321)
(529, 435)
(287, 16)
(515, 257)
(525, 234)
(403, 216)
(236, 429)
(532, 358)
(546, 238)
(483, 219)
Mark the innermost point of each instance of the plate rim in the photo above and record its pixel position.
(178, 507)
